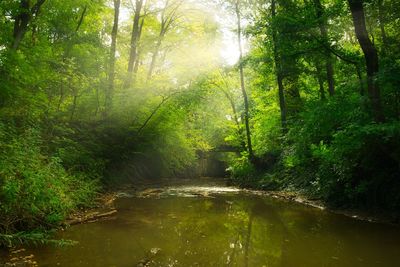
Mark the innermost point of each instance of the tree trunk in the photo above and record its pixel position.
(382, 24)
(22, 20)
(61, 96)
(242, 85)
(81, 19)
(278, 70)
(21, 23)
(166, 23)
(97, 102)
(134, 42)
(163, 30)
(320, 82)
(324, 35)
(235, 114)
(73, 108)
(74, 103)
(329, 75)
(111, 71)
(370, 55)
(135, 35)
(360, 80)
(147, 120)
(137, 61)
(154, 57)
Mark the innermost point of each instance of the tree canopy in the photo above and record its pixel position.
(95, 93)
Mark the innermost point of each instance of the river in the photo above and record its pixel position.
(212, 225)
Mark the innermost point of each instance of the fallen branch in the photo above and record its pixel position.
(90, 217)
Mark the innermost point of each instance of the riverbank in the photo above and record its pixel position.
(105, 205)
(316, 203)
(289, 188)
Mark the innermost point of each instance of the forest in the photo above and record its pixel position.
(304, 94)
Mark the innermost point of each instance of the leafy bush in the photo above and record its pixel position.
(243, 171)
(338, 154)
(35, 190)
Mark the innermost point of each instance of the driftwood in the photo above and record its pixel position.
(90, 217)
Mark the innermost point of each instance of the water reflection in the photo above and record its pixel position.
(224, 228)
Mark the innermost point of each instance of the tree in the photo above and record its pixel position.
(113, 48)
(324, 35)
(135, 36)
(242, 82)
(370, 55)
(25, 14)
(169, 15)
(278, 69)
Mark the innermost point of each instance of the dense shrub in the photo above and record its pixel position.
(339, 155)
(242, 171)
(35, 188)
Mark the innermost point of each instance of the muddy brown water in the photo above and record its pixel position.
(210, 225)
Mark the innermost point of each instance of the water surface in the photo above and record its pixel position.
(214, 226)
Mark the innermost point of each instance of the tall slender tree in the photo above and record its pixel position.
(111, 71)
(133, 53)
(242, 82)
(169, 15)
(324, 35)
(278, 69)
(370, 55)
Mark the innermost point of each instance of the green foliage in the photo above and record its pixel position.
(32, 238)
(59, 141)
(330, 145)
(344, 158)
(242, 171)
(245, 174)
(35, 189)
